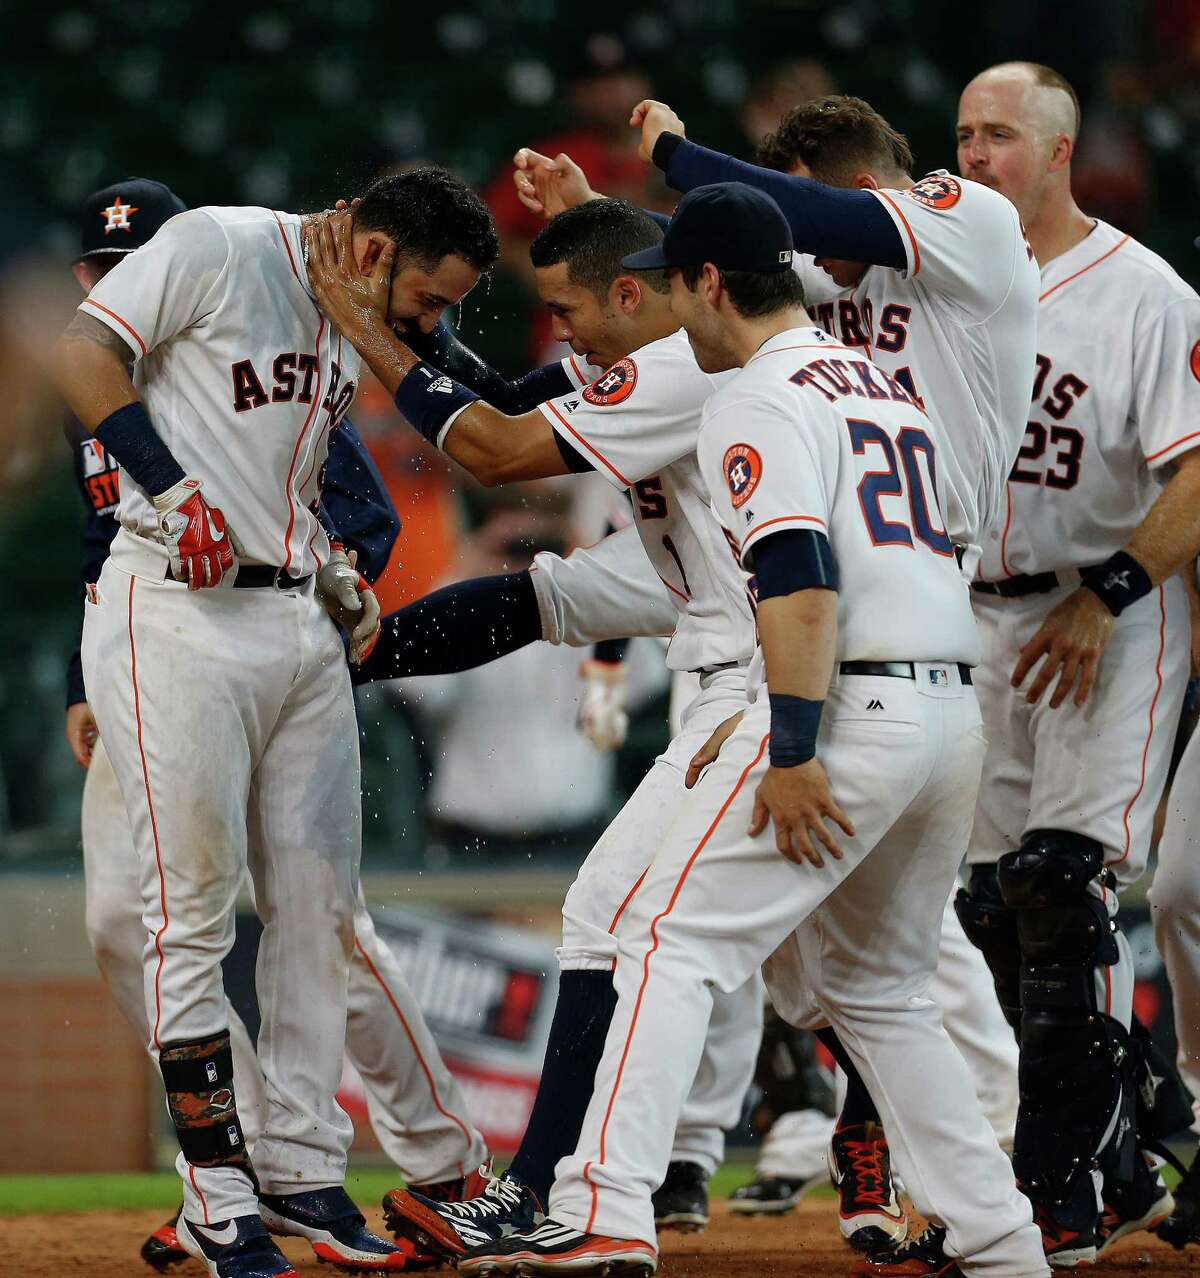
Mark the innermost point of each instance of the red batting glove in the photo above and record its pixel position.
(194, 534)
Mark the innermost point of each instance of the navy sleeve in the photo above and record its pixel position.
(442, 349)
(356, 500)
(826, 221)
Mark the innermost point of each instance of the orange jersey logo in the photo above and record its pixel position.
(938, 191)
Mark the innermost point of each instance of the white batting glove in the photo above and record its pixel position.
(602, 717)
(350, 601)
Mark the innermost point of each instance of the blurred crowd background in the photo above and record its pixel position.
(294, 104)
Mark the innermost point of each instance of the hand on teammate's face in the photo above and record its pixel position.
(350, 300)
(800, 804)
(711, 748)
(1071, 640)
(654, 119)
(82, 732)
(548, 187)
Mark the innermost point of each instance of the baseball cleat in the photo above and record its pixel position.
(681, 1201)
(1154, 1204)
(552, 1248)
(455, 1191)
(1182, 1225)
(162, 1250)
(1065, 1246)
(237, 1248)
(446, 1230)
(922, 1257)
(334, 1226)
(773, 1195)
(870, 1216)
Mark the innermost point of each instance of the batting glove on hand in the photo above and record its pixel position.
(194, 534)
(350, 601)
(602, 717)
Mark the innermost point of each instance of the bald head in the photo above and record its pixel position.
(1044, 98)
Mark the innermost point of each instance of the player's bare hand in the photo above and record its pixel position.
(800, 803)
(1069, 644)
(82, 733)
(352, 301)
(548, 186)
(711, 748)
(654, 119)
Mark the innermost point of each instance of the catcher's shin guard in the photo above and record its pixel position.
(198, 1077)
(991, 927)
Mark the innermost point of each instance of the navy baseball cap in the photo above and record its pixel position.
(730, 224)
(124, 216)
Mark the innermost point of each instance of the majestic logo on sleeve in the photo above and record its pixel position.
(1194, 361)
(116, 216)
(937, 191)
(613, 386)
(743, 470)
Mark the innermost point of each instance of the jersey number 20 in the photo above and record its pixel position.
(900, 480)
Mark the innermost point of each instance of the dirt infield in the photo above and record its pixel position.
(802, 1245)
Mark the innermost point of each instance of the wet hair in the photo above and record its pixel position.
(754, 293)
(592, 238)
(429, 214)
(836, 137)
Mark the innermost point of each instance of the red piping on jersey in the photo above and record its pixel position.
(1182, 440)
(883, 195)
(287, 488)
(433, 1091)
(286, 245)
(637, 1007)
(807, 346)
(594, 451)
(1004, 535)
(1084, 269)
(583, 380)
(612, 927)
(89, 301)
(162, 881)
(780, 519)
(1162, 631)
(674, 589)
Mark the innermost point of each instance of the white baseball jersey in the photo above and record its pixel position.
(811, 435)
(956, 327)
(1116, 396)
(637, 425)
(242, 375)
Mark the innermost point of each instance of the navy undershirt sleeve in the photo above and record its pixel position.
(355, 499)
(826, 221)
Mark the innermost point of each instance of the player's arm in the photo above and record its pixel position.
(494, 447)
(826, 221)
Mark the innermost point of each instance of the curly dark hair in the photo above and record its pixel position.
(592, 238)
(430, 214)
(836, 137)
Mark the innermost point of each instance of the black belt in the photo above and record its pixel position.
(260, 576)
(1034, 583)
(899, 669)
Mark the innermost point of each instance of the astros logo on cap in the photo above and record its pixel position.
(613, 386)
(743, 470)
(938, 191)
(117, 216)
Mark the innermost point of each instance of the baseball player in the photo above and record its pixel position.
(415, 1104)
(1084, 626)
(238, 381)
(824, 486)
(635, 424)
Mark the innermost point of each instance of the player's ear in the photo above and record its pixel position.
(710, 284)
(1060, 152)
(865, 182)
(375, 245)
(625, 293)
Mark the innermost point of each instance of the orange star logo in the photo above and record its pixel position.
(117, 216)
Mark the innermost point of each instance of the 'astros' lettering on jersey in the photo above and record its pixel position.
(957, 327)
(242, 375)
(812, 435)
(637, 423)
(1116, 396)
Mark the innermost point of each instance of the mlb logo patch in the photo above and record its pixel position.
(939, 678)
(743, 469)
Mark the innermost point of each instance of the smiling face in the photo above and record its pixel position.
(419, 295)
(602, 330)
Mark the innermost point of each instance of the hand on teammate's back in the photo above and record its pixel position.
(350, 300)
(711, 748)
(1072, 640)
(654, 119)
(548, 187)
(81, 732)
(200, 546)
(800, 803)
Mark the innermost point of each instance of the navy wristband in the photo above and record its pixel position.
(1119, 581)
(795, 722)
(130, 437)
(427, 399)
